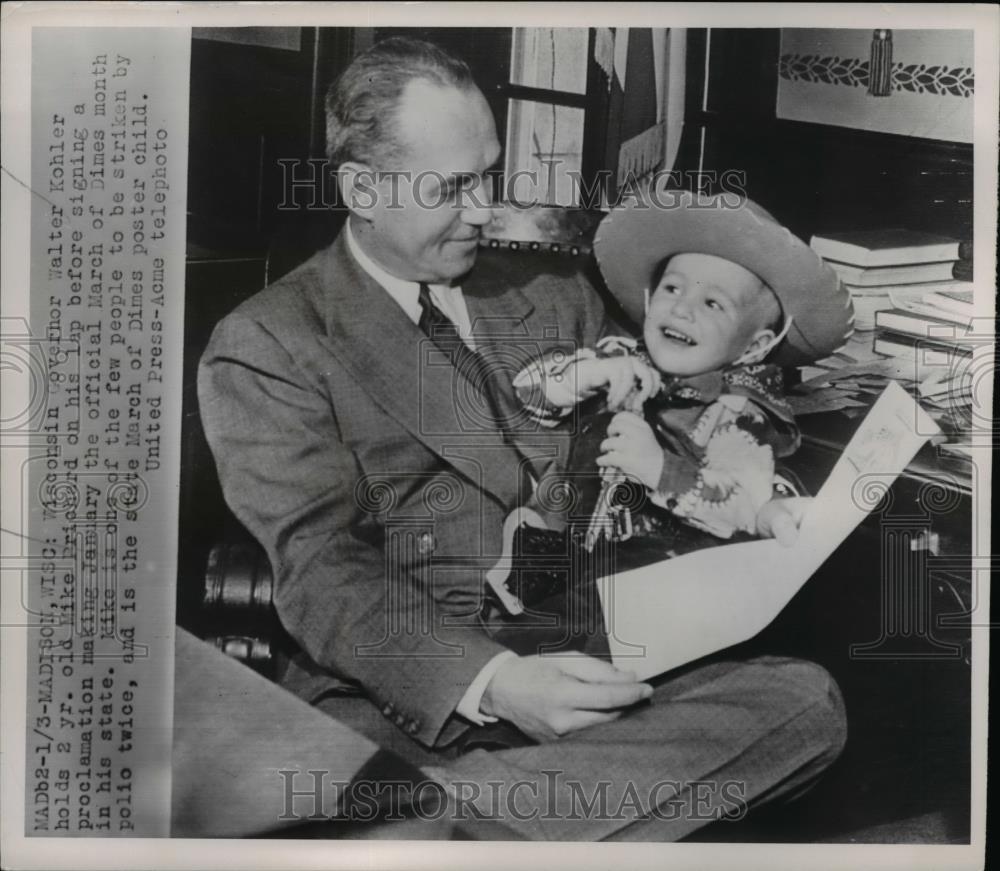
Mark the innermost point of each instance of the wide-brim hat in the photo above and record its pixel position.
(635, 238)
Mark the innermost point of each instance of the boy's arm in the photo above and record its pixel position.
(732, 484)
(735, 477)
(550, 387)
(547, 388)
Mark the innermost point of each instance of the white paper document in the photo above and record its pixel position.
(666, 614)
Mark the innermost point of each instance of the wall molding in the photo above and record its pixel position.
(851, 71)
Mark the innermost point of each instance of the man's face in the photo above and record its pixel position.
(705, 313)
(426, 222)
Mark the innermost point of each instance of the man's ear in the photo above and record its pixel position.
(758, 348)
(356, 182)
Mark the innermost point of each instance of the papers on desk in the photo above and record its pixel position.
(940, 380)
(823, 399)
(670, 613)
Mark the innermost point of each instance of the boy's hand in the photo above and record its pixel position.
(644, 382)
(632, 447)
(623, 377)
(781, 519)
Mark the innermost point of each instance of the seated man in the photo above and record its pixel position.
(365, 428)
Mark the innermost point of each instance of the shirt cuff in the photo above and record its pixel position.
(545, 389)
(784, 486)
(468, 707)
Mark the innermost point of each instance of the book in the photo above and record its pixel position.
(958, 301)
(946, 300)
(868, 301)
(914, 290)
(880, 276)
(930, 351)
(888, 247)
(922, 326)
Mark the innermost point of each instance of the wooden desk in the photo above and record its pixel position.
(921, 530)
(831, 430)
(889, 619)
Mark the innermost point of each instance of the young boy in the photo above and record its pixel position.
(719, 289)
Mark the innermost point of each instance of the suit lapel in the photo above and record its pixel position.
(502, 324)
(495, 308)
(402, 371)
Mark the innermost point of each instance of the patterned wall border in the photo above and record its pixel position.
(916, 78)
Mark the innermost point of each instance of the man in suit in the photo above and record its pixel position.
(376, 462)
(244, 750)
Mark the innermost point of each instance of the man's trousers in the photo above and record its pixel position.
(713, 740)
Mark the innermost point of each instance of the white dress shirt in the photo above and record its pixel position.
(449, 299)
(446, 297)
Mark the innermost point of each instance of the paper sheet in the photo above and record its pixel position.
(666, 614)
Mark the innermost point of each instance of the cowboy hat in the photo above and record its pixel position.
(635, 238)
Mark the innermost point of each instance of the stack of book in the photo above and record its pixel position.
(925, 345)
(933, 335)
(880, 266)
(938, 319)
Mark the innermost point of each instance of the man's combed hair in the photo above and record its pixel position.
(362, 104)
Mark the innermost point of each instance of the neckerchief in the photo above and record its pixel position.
(675, 409)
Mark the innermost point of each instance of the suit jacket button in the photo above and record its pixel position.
(412, 727)
(400, 719)
(425, 544)
(387, 710)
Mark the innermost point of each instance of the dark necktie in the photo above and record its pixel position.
(483, 375)
(487, 377)
(441, 330)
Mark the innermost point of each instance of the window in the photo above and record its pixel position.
(584, 111)
(576, 108)
(545, 115)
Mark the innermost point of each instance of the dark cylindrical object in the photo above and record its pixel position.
(880, 65)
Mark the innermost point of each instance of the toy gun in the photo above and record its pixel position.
(609, 518)
(612, 519)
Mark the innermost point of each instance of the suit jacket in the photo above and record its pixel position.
(235, 732)
(369, 470)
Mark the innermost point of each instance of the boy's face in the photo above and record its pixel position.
(705, 313)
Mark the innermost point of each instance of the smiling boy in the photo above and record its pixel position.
(707, 312)
(701, 418)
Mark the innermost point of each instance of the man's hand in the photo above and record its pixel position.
(632, 447)
(781, 519)
(548, 697)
